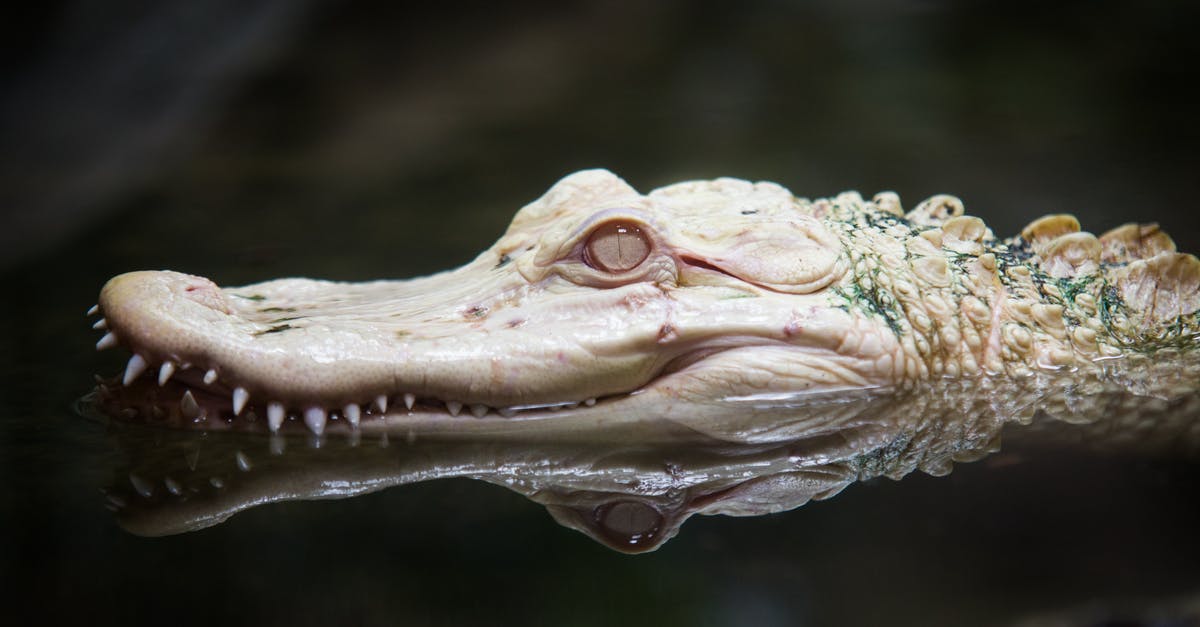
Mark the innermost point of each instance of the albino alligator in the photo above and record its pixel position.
(599, 302)
(631, 360)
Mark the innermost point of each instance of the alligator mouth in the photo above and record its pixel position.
(185, 395)
(352, 354)
(186, 401)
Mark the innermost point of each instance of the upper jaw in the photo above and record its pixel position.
(316, 345)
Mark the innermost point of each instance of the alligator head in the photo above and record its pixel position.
(600, 301)
(595, 295)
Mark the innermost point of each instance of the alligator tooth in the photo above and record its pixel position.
(210, 376)
(108, 341)
(94, 310)
(589, 402)
(240, 396)
(216, 482)
(315, 418)
(409, 399)
(479, 410)
(243, 462)
(134, 369)
(188, 405)
(100, 324)
(352, 414)
(507, 412)
(454, 407)
(381, 403)
(172, 486)
(165, 371)
(274, 416)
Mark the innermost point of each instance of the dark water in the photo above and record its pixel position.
(252, 140)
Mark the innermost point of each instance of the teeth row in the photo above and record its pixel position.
(314, 417)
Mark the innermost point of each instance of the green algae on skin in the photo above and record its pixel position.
(276, 329)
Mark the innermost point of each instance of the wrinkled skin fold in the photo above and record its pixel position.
(699, 310)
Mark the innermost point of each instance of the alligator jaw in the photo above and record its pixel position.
(316, 348)
(470, 343)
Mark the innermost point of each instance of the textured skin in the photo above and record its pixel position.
(748, 294)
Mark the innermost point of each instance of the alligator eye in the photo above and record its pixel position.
(616, 247)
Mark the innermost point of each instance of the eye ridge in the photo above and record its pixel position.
(616, 247)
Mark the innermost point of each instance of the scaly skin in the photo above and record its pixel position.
(746, 294)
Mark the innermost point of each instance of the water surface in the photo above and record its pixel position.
(382, 142)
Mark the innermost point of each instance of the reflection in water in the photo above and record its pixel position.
(631, 482)
(631, 497)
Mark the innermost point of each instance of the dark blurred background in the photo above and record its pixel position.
(369, 134)
(249, 139)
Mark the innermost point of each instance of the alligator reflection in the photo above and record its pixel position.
(632, 486)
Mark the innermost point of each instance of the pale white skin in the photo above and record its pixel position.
(745, 292)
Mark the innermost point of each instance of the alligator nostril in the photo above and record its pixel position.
(206, 293)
